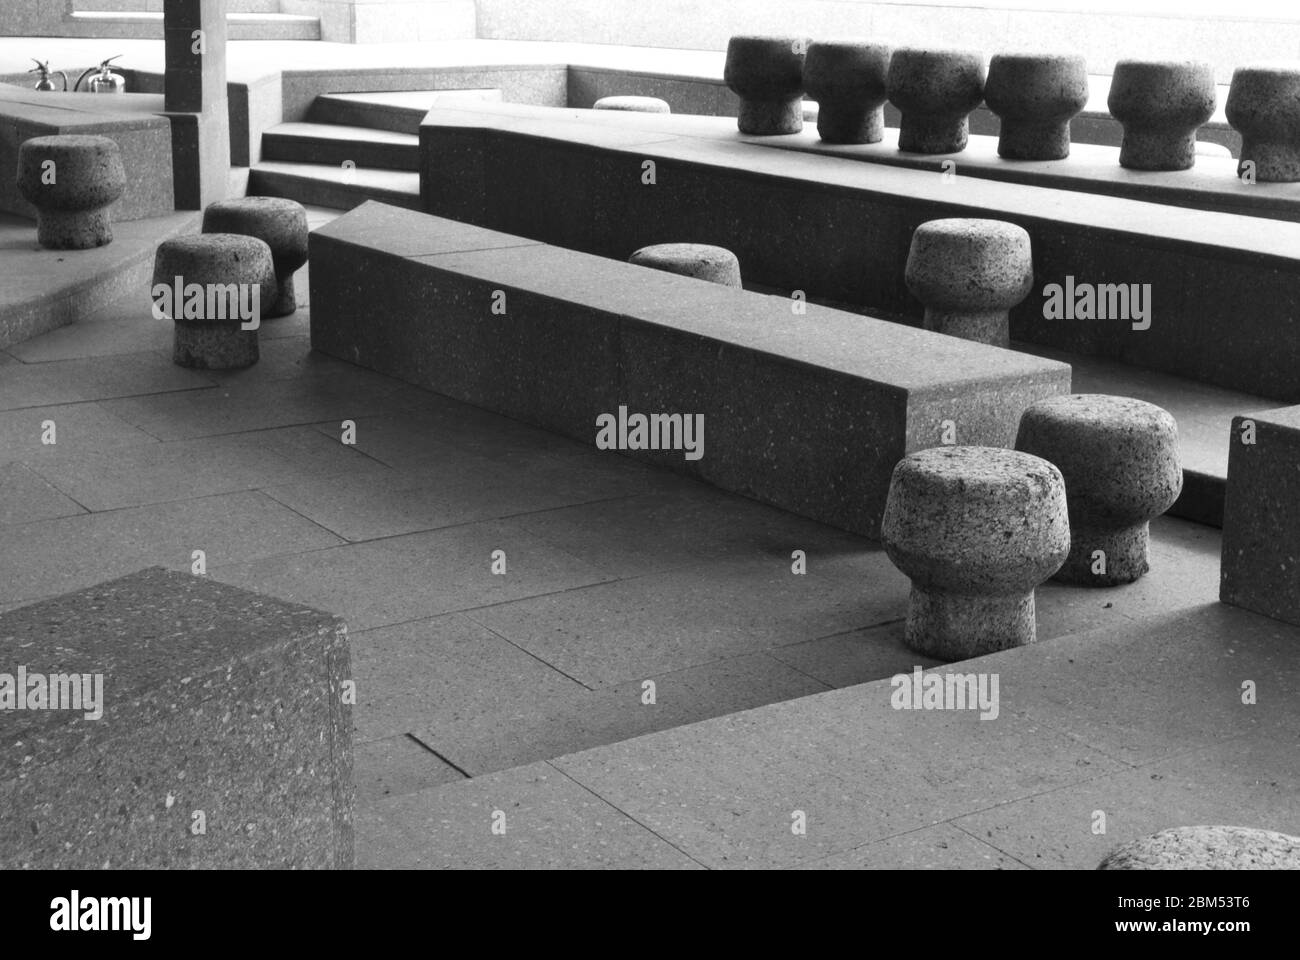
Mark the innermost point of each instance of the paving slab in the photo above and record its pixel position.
(481, 735)
(54, 556)
(184, 469)
(636, 628)
(83, 427)
(396, 766)
(25, 497)
(1243, 782)
(450, 674)
(548, 823)
(419, 575)
(941, 847)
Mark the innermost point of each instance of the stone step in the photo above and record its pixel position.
(148, 25)
(330, 143)
(398, 110)
(324, 185)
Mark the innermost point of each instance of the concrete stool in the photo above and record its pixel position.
(969, 274)
(936, 90)
(1264, 104)
(73, 195)
(1120, 460)
(279, 223)
(847, 80)
(1035, 95)
(1161, 105)
(767, 74)
(220, 264)
(976, 529)
(1207, 848)
(699, 260)
(633, 104)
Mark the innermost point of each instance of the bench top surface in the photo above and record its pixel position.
(881, 351)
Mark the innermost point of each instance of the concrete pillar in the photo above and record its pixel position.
(195, 100)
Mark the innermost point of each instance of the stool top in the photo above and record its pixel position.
(963, 470)
(1101, 412)
(71, 142)
(1213, 847)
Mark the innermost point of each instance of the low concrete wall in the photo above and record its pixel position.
(1225, 289)
(807, 411)
(144, 138)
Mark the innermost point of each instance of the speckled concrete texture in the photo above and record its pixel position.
(1035, 95)
(1161, 105)
(1264, 104)
(278, 222)
(936, 90)
(969, 273)
(976, 529)
(1261, 515)
(699, 260)
(847, 79)
(1208, 848)
(216, 701)
(767, 74)
(633, 104)
(71, 180)
(211, 343)
(1122, 469)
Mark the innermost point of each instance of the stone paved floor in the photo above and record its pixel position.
(616, 573)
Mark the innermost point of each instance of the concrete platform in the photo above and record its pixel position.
(1144, 723)
(568, 178)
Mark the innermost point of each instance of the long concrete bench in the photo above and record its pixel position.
(1224, 289)
(168, 721)
(808, 411)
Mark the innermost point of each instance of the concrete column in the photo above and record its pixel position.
(195, 100)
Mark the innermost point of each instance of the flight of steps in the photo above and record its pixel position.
(377, 134)
(143, 19)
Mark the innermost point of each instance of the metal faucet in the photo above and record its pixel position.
(105, 82)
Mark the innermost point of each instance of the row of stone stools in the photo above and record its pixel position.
(977, 529)
(253, 244)
(1161, 104)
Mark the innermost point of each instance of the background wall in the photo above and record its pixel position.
(1106, 31)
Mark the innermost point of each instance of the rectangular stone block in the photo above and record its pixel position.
(215, 734)
(809, 410)
(1261, 515)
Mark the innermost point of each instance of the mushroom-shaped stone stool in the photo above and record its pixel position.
(217, 283)
(936, 90)
(1035, 95)
(976, 529)
(1119, 457)
(1264, 105)
(699, 260)
(279, 223)
(969, 273)
(767, 74)
(1161, 105)
(1207, 848)
(71, 181)
(847, 79)
(633, 104)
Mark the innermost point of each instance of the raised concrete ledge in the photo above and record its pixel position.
(44, 289)
(1225, 288)
(809, 413)
(214, 699)
(143, 136)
